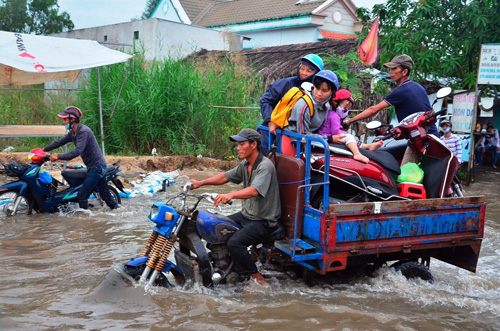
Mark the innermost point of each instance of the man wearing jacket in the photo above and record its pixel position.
(85, 146)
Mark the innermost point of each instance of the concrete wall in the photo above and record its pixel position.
(278, 37)
(158, 38)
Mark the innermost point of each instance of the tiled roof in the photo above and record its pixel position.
(194, 7)
(216, 13)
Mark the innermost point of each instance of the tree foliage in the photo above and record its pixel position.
(33, 16)
(150, 6)
(443, 37)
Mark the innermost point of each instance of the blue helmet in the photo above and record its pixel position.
(313, 61)
(329, 76)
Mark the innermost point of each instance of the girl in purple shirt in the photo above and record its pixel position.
(332, 125)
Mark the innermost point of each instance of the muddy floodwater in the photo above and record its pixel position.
(62, 271)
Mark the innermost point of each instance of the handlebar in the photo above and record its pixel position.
(386, 137)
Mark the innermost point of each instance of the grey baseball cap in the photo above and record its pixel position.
(246, 134)
(400, 60)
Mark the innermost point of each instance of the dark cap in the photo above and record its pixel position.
(246, 134)
(400, 60)
(489, 125)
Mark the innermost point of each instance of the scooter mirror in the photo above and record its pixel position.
(373, 125)
(443, 92)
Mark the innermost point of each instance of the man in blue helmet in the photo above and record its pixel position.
(310, 64)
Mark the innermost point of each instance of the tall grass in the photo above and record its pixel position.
(29, 107)
(167, 104)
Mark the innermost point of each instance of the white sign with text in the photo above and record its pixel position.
(463, 104)
(489, 65)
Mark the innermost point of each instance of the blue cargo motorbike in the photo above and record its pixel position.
(34, 191)
(201, 255)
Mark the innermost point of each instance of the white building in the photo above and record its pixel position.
(158, 38)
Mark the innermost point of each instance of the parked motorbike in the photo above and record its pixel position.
(202, 235)
(30, 192)
(353, 181)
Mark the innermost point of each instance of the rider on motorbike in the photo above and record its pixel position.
(261, 207)
(87, 147)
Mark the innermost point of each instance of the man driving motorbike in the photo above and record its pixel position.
(261, 206)
(85, 146)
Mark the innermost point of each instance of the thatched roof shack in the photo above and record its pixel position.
(272, 63)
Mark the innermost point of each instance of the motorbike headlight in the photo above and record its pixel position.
(154, 212)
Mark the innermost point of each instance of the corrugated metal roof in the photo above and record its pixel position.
(216, 13)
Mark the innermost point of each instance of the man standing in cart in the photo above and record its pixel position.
(408, 98)
(261, 206)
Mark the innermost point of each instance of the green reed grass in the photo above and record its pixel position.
(166, 103)
(29, 107)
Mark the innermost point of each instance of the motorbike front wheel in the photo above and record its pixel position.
(136, 271)
(7, 200)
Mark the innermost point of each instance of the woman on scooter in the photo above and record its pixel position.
(85, 146)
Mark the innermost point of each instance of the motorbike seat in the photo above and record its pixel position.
(277, 234)
(82, 173)
(385, 159)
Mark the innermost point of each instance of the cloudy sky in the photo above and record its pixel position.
(90, 13)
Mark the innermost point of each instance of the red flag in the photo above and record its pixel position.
(368, 49)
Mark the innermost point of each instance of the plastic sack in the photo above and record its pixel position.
(411, 173)
(45, 177)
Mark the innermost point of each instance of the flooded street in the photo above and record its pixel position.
(62, 272)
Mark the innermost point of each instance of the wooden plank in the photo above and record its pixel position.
(16, 131)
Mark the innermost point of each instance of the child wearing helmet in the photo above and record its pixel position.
(309, 65)
(325, 84)
(342, 103)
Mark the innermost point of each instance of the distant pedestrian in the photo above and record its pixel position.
(453, 142)
(490, 143)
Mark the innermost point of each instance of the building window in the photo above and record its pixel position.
(136, 35)
(337, 16)
(105, 38)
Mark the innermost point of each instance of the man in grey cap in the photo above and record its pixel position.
(261, 206)
(408, 97)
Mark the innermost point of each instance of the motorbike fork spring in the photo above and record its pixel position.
(164, 255)
(157, 248)
(149, 244)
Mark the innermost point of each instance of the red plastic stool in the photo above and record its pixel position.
(411, 190)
